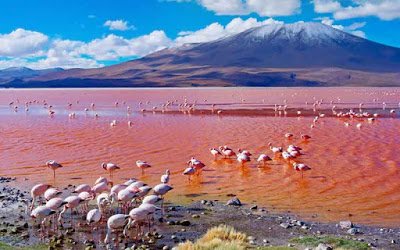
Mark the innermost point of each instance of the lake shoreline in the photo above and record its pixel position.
(182, 223)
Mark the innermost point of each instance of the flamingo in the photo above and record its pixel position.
(189, 171)
(116, 189)
(275, 150)
(53, 165)
(82, 188)
(161, 190)
(151, 199)
(36, 191)
(73, 201)
(243, 158)
(110, 167)
(165, 177)
(245, 152)
(125, 196)
(293, 148)
(93, 216)
(215, 152)
(138, 216)
(51, 193)
(198, 165)
(142, 165)
(130, 181)
(101, 187)
(86, 197)
(287, 156)
(41, 213)
(301, 167)
(150, 209)
(305, 137)
(114, 224)
(143, 191)
(263, 158)
(227, 152)
(288, 135)
(102, 179)
(55, 203)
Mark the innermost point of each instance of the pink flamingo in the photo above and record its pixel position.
(36, 191)
(301, 167)
(53, 165)
(215, 152)
(142, 165)
(110, 167)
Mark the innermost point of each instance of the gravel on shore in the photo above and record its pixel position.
(181, 223)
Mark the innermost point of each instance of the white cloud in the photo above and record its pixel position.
(273, 7)
(216, 30)
(359, 33)
(352, 28)
(383, 9)
(245, 7)
(113, 47)
(78, 54)
(326, 6)
(225, 7)
(117, 25)
(21, 42)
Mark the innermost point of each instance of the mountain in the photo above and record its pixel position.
(15, 73)
(299, 54)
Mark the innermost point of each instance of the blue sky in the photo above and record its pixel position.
(94, 33)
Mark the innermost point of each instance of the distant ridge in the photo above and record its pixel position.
(298, 54)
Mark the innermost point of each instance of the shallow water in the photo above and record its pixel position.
(354, 171)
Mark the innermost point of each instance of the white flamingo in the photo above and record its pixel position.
(189, 172)
(263, 158)
(165, 177)
(116, 223)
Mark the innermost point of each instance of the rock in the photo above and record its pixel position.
(171, 222)
(393, 242)
(345, 224)
(14, 230)
(251, 238)
(25, 235)
(254, 207)
(184, 223)
(323, 246)
(165, 248)
(285, 225)
(353, 231)
(234, 202)
(195, 216)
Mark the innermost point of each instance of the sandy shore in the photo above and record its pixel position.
(179, 224)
